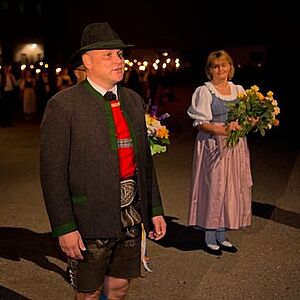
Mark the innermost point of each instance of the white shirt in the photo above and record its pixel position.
(101, 90)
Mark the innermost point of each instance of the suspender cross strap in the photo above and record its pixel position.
(110, 96)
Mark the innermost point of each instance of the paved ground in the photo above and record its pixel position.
(266, 266)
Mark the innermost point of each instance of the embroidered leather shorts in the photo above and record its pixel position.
(129, 215)
(120, 258)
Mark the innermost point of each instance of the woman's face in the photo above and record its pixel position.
(220, 68)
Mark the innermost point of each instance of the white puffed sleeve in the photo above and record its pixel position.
(240, 89)
(200, 108)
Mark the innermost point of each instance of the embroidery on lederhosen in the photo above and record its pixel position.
(71, 271)
(129, 215)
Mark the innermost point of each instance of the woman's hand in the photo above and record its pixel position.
(233, 125)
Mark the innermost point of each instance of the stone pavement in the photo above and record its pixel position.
(265, 267)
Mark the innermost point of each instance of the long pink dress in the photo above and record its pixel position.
(221, 182)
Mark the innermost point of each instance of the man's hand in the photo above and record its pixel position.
(71, 244)
(160, 228)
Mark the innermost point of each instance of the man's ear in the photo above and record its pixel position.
(87, 61)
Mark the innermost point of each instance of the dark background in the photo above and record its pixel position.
(189, 26)
(194, 28)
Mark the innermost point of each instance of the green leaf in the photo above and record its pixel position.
(155, 148)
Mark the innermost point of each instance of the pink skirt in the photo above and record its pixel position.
(221, 184)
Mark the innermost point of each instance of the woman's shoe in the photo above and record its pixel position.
(228, 247)
(213, 249)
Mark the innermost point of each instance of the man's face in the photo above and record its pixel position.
(104, 67)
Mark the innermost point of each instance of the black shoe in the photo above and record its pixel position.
(209, 250)
(231, 249)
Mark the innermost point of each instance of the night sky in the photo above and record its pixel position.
(188, 25)
(197, 27)
(192, 27)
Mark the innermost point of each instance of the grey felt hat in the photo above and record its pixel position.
(97, 36)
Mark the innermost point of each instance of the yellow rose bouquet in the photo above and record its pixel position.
(253, 112)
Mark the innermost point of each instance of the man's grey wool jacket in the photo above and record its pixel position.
(79, 164)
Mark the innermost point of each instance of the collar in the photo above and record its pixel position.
(101, 90)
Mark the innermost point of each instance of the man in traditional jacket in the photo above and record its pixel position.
(97, 174)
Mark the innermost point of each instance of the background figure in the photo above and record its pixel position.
(42, 91)
(134, 81)
(220, 197)
(97, 173)
(64, 79)
(7, 96)
(153, 82)
(28, 95)
(78, 68)
(166, 91)
(80, 73)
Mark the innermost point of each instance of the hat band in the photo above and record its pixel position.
(112, 44)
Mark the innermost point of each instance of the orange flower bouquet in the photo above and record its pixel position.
(158, 134)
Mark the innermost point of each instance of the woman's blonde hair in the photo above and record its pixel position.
(219, 54)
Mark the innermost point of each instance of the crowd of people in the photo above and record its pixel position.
(159, 86)
(24, 93)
